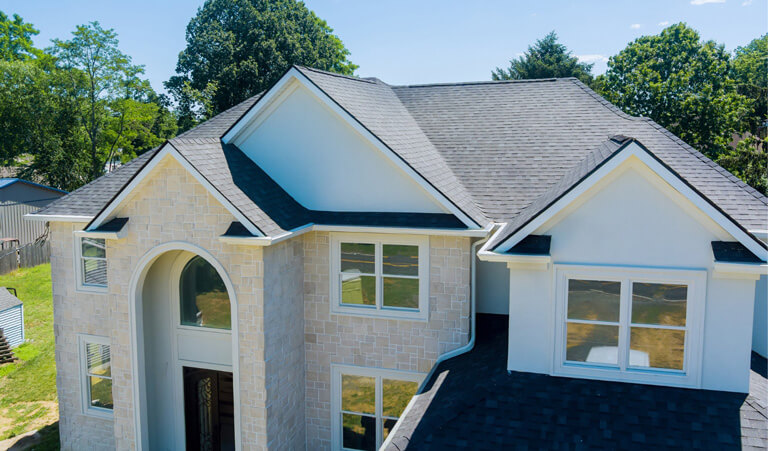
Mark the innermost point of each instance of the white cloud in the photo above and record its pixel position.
(704, 2)
(635, 26)
(664, 24)
(746, 3)
(594, 58)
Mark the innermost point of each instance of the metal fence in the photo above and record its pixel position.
(13, 224)
(26, 256)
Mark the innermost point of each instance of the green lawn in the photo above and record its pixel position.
(28, 386)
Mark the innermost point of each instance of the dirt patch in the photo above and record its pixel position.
(22, 417)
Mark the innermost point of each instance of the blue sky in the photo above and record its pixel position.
(405, 42)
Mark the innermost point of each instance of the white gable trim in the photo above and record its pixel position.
(633, 149)
(264, 105)
(169, 151)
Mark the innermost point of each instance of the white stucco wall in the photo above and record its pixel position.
(326, 165)
(760, 328)
(492, 290)
(634, 219)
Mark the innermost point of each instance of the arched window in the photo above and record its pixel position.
(203, 296)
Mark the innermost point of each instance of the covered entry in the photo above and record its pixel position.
(185, 318)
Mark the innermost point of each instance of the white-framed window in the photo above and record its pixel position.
(366, 403)
(96, 375)
(380, 275)
(91, 263)
(631, 324)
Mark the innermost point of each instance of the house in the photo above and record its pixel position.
(17, 198)
(290, 273)
(11, 317)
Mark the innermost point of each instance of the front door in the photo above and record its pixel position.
(208, 410)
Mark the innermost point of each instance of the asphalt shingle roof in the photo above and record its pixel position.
(7, 300)
(492, 148)
(472, 402)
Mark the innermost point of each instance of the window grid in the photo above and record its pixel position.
(98, 357)
(625, 326)
(96, 276)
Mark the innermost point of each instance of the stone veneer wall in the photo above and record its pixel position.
(284, 343)
(376, 342)
(170, 206)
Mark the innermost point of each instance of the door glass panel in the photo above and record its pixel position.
(358, 431)
(401, 260)
(594, 300)
(592, 343)
(358, 394)
(358, 258)
(358, 290)
(402, 293)
(396, 395)
(659, 303)
(657, 348)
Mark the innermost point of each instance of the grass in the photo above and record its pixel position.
(28, 385)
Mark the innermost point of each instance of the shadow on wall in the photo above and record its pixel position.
(477, 402)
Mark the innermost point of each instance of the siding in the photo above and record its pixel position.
(13, 224)
(12, 323)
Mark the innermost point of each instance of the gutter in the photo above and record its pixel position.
(458, 351)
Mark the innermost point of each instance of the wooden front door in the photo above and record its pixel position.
(208, 410)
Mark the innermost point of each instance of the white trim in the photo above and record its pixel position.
(337, 370)
(80, 285)
(749, 271)
(169, 151)
(102, 235)
(270, 240)
(379, 311)
(57, 218)
(243, 126)
(85, 387)
(633, 150)
(137, 336)
(696, 280)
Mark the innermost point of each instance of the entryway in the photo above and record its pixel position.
(208, 410)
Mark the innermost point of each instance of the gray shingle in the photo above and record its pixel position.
(7, 300)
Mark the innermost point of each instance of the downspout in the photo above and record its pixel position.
(472, 311)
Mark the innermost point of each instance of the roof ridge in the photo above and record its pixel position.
(483, 82)
(674, 138)
(334, 74)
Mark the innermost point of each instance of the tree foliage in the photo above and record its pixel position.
(237, 48)
(75, 109)
(16, 39)
(750, 72)
(547, 58)
(681, 83)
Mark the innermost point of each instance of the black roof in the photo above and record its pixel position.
(733, 252)
(494, 149)
(472, 402)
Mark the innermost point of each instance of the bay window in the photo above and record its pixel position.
(630, 324)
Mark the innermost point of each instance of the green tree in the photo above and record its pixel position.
(548, 58)
(681, 83)
(16, 39)
(237, 48)
(117, 108)
(750, 72)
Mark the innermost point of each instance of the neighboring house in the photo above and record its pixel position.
(11, 317)
(17, 198)
(287, 274)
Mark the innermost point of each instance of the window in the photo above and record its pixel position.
(96, 370)
(367, 404)
(380, 276)
(203, 297)
(630, 324)
(93, 263)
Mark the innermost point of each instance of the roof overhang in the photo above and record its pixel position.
(57, 218)
(167, 151)
(637, 150)
(266, 103)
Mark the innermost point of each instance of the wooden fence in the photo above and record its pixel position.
(26, 256)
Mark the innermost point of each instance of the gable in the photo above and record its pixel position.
(567, 195)
(633, 217)
(325, 164)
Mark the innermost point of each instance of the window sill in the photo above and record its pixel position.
(94, 412)
(92, 289)
(363, 312)
(671, 378)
